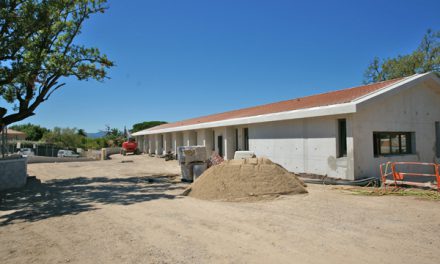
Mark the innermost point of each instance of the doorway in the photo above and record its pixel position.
(220, 145)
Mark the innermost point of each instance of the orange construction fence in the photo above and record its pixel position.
(391, 169)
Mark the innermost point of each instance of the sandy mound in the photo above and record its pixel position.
(248, 180)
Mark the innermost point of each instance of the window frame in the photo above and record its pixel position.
(379, 135)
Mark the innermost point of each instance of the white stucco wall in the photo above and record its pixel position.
(159, 144)
(140, 142)
(152, 144)
(209, 140)
(189, 138)
(304, 145)
(167, 144)
(412, 110)
(145, 144)
(201, 137)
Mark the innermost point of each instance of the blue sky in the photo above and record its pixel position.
(182, 59)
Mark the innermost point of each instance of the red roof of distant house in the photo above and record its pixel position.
(324, 99)
(15, 132)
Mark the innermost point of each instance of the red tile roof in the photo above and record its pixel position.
(324, 99)
(15, 132)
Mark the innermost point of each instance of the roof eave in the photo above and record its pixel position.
(337, 109)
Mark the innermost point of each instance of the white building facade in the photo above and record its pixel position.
(343, 134)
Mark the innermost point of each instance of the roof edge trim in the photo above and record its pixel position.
(337, 109)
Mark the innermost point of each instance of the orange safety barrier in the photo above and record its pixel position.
(390, 169)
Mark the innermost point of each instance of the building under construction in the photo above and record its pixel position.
(343, 134)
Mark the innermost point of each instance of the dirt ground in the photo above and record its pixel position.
(132, 212)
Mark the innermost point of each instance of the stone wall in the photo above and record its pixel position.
(13, 173)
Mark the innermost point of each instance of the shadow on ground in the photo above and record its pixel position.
(37, 201)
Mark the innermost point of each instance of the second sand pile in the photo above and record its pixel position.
(245, 180)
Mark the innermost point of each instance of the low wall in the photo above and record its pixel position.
(112, 151)
(97, 154)
(106, 152)
(42, 159)
(13, 173)
(92, 154)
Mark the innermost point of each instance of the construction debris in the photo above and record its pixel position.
(215, 159)
(245, 180)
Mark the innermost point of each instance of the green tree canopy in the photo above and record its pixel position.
(145, 125)
(81, 132)
(425, 58)
(33, 132)
(38, 49)
(64, 137)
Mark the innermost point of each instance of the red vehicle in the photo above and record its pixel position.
(130, 146)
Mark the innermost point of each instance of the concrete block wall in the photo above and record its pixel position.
(167, 144)
(414, 110)
(145, 144)
(304, 145)
(201, 137)
(151, 144)
(13, 173)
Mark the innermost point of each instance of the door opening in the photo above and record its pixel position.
(220, 145)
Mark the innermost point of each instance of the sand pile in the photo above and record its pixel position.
(249, 179)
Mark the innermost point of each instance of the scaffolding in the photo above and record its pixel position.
(395, 171)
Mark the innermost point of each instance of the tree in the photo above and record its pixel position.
(33, 132)
(64, 137)
(114, 136)
(37, 50)
(145, 125)
(425, 58)
(94, 143)
(81, 132)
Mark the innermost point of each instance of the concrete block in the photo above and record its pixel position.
(244, 154)
(198, 169)
(187, 172)
(13, 173)
(192, 154)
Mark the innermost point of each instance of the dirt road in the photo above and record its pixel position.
(131, 212)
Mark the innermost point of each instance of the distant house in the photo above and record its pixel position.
(16, 135)
(343, 134)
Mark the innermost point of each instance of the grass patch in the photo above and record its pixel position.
(374, 191)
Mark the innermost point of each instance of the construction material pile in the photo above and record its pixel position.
(245, 180)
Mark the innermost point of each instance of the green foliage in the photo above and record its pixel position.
(145, 125)
(64, 137)
(71, 137)
(425, 58)
(37, 50)
(33, 132)
(114, 137)
(95, 143)
(77, 138)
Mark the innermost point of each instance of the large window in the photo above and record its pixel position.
(392, 143)
(342, 138)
